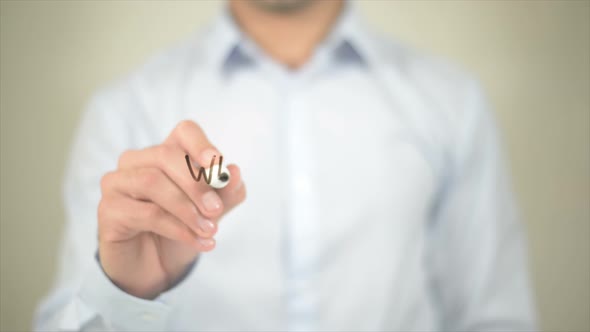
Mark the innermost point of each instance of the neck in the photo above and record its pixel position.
(289, 38)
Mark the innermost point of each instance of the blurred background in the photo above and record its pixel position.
(532, 57)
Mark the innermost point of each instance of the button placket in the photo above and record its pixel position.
(300, 234)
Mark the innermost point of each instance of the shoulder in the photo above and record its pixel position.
(432, 78)
(442, 103)
(436, 88)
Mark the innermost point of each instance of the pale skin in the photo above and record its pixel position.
(153, 219)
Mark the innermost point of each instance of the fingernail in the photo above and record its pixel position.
(206, 242)
(206, 225)
(211, 201)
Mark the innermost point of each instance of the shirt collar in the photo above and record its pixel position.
(229, 49)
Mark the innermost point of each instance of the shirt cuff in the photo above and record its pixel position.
(118, 309)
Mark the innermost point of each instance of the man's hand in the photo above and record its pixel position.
(154, 219)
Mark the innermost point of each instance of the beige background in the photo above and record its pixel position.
(533, 57)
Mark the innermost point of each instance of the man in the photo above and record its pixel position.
(377, 199)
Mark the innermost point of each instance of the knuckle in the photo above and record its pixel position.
(163, 153)
(186, 126)
(104, 212)
(123, 158)
(148, 177)
(152, 212)
(102, 209)
(106, 181)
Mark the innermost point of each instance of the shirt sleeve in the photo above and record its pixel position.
(478, 255)
(83, 298)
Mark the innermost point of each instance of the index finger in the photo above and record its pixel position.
(190, 137)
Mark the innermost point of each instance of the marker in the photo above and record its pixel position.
(218, 174)
(222, 178)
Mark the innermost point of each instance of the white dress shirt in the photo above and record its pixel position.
(377, 197)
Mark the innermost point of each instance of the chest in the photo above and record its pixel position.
(337, 148)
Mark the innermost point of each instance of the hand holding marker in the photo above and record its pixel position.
(154, 220)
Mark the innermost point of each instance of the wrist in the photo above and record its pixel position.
(144, 288)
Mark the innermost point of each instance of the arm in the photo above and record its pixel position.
(478, 256)
(127, 289)
(102, 135)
